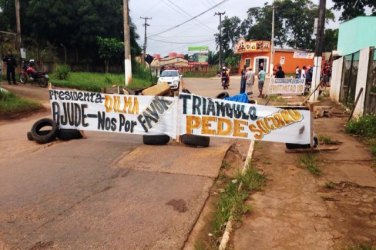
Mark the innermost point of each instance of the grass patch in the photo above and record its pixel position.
(232, 199)
(330, 185)
(96, 81)
(361, 247)
(365, 127)
(225, 165)
(11, 104)
(207, 74)
(309, 161)
(277, 99)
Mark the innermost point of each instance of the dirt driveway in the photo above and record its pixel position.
(298, 210)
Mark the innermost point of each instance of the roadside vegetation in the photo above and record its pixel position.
(63, 77)
(365, 127)
(309, 162)
(11, 104)
(231, 202)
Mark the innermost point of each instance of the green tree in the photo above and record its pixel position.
(330, 39)
(75, 24)
(353, 8)
(293, 23)
(231, 31)
(109, 48)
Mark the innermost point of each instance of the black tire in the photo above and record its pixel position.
(69, 134)
(186, 91)
(23, 78)
(42, 132)
(155, 139)
(29, 136)
(222, 95)
(43, 82)
(41, 137)
(195, 140)
(303, 146)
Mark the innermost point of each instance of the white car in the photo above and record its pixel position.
(172, 77)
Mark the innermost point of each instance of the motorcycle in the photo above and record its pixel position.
(29, 74)
(225, 81)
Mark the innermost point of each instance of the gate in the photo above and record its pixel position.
(349, 77)
(370, 101)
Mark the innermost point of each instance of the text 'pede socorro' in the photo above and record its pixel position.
(186, 114)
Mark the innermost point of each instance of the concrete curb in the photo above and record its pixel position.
(228, 230)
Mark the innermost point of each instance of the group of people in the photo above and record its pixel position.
(248, 79)
(304, 73)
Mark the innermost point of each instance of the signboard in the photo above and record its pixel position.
(251, 46)
(303, 55)
(129, 114)
(198, 53)
(215, 117)
(287, 86)
(173, 116)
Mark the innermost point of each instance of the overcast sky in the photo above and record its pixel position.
(168, 13)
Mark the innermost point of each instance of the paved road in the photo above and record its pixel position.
(108, 191)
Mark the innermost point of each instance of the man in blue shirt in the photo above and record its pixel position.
(261, 80)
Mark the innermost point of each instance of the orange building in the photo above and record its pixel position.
(257, 53)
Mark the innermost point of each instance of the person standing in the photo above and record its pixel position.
(304, 72)
(280, 73)
(297, 72)
(242, 79)
(261, 77)
(249, 80)
(11, 67)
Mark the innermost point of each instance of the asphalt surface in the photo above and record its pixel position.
(108, 191)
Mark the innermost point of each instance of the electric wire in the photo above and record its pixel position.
(176, 26)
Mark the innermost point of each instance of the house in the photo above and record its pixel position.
(258, 53)
(354, 73)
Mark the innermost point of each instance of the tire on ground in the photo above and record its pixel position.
(69, 134)
(42, 132)
(44, 137)
(155, 139)
(297, 146)
(222, 95)
(195, 140)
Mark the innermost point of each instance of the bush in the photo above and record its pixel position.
(363, 126)
(62, 71)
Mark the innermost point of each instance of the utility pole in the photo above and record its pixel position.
(220, 36)
(145, 37)
(272, 43)
(318, 50)
(18, 22)
(127, 45)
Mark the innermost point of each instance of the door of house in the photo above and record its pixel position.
(261, 61)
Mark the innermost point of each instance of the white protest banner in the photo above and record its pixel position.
(215, 117)
(114, 113)
(287, 86)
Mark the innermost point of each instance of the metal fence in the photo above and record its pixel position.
(370, 98)
(348, 79)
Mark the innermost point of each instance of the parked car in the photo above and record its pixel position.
(172, 77)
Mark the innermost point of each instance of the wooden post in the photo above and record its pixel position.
(356, 102)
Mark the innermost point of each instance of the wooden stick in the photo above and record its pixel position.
(307, 98)
(356, 102)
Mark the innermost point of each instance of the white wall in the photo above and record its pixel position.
(335, 83)
(361, 81)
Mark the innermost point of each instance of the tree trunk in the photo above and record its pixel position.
(106, 63)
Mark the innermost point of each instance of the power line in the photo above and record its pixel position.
(145, 37)
(172, 42)
(188, 15)
(220, 36)
(176, 26)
